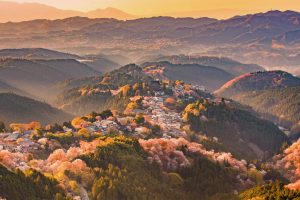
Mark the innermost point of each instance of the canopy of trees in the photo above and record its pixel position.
(270, 191)
(235, 128)
(30, 185)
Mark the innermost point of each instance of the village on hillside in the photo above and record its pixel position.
(152, 116)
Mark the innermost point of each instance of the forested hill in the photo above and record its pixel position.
(231, 66)
(18, 109)
(209, 77)
(258, 81)
(274, 94)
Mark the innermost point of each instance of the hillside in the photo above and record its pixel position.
(210, 77)
(36, 77)
(123, 163)
(274, 94)
(226, 64)
(287, 163)
(243, 133)
(16, 185)
(241, 127)
(279, 105)
(275, 190)
(101, 63)
(70, 68)
(258, 81)
(18, 109)
(83, 96)
(89, 94)
(5, 88)
(170, 144)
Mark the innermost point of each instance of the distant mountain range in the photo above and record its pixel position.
(18, 109)
(16, 12)
(269, 39)
(215, 13)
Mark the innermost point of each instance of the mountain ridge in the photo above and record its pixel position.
(209, 76)
(261, 80)
(20, 109)
(271, 38)
(229, 65)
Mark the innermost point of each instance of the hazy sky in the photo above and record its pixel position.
(148, 7)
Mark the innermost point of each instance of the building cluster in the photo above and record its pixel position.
(103, 126)
(18, 142)
(169, 121)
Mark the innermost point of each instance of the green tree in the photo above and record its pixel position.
(106, 114)
(2, 126)
(139, 119)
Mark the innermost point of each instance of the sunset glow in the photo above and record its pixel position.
(193, 8)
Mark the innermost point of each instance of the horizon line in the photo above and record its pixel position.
(195, 14)
(136, 17)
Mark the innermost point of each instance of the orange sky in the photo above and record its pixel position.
(175, 7)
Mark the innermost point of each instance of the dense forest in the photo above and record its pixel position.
(29, 185)
(283, 107)
(274, 190)
(235, 128)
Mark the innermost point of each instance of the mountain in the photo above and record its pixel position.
(279, 105)
(4, 87)
(272, 93)
(11, 11)
(210, 77)
(16, 12)
(85, 95)
(271, 38)
(258, 81)
(70, 68)
(36, 53)
(43, 26)
(109, 13)
(226, 64)
(36, 77)
(240, 130)
(214, 13)
(260, 27)
(101, 34)
(18, 109)
(101, 63)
